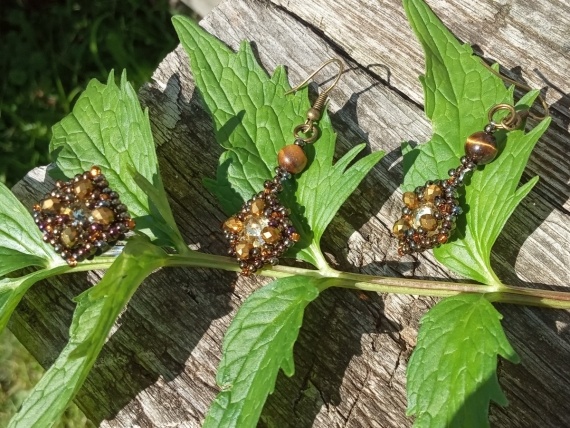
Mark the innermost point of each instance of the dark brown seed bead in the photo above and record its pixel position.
(292, 158)
(481, 147)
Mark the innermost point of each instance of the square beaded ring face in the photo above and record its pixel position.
(82, 217)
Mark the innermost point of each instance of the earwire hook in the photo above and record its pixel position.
(314, 73)
(309, 128)
(524, 87)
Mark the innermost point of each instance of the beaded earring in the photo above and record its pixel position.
(430, 211)
(261, 231)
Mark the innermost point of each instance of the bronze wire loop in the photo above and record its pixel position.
(309, 129)
(509, 122)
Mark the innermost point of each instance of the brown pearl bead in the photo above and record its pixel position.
(292, 159)
(481, 147)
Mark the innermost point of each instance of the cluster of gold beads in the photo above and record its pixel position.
(261, 231)
(430, 211)
(82, 217)
(428, 217)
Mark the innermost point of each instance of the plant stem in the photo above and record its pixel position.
(499, 293)
(495, 293)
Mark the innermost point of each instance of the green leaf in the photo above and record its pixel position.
(96, 312)
(253, 119)
(21, 243)
(11, 292)
(108, 128)
(486, 216)
(452, 372)
(257, 344)
(21, 246)
(159, 202)
(459, 92)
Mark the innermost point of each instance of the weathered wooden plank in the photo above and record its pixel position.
(158, 367)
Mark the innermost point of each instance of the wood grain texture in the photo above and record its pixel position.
(158, 367)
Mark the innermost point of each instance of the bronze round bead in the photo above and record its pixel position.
(481, 147)
(313, 114)
(292, 158)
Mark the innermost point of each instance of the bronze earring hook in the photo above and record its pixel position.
(314, 113)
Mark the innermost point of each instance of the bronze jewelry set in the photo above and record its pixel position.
(84, 217)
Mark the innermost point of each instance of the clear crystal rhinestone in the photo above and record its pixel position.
(254, 225)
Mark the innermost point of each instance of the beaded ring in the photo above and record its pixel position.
(82, 217)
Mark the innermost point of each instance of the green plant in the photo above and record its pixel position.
(19, 372)
(50, 51)
(260, 340)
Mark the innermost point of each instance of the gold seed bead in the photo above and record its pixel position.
(103, 215)
(400, 227)
(428, 222)
(95, 171)
(233, 224)
(411, 200)
(270, 235)
(257, 207)
(431, 192)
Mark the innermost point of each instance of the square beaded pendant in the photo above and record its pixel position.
(261, 231)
